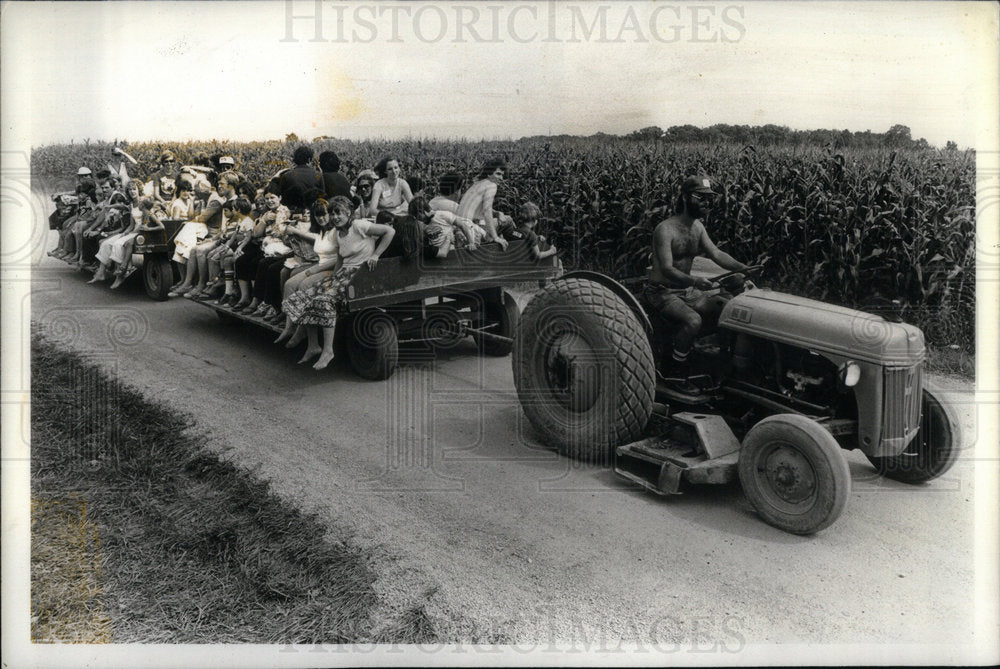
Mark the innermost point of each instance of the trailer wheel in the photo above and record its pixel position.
(372, 346)
(583, 369)
(157, 276)
(505, 315)
(932, 452)
(794, 474)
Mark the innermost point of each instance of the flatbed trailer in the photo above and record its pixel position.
(151, 255)
(435, 301)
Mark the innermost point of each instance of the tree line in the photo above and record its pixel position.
(896, 137)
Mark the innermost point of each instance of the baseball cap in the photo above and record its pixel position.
(697, 184)
(83, 172)
(227, 160)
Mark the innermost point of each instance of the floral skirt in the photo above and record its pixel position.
(317, 305)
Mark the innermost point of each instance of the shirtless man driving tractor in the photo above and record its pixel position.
(671, 290)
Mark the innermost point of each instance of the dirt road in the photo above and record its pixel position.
(438, 470)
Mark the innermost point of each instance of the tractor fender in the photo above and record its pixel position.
(623, 293)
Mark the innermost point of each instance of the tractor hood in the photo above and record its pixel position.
(822, 327)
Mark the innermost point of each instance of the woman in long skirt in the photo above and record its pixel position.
(359, 242)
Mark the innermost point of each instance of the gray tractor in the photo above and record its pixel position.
(781, 387)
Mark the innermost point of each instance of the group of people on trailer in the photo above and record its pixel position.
(287, 251)
(284, 252)
(98, 222)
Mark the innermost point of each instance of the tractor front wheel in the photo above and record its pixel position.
(932, 452)
(794, 474)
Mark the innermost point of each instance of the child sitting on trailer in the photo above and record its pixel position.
(530, 214)
(238, 232)
(182, 206)
(265, 247)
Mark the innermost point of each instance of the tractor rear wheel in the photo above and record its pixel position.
(583, 369)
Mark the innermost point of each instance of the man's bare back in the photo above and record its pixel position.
(477, 202)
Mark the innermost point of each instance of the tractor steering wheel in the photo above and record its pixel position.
(750, 269)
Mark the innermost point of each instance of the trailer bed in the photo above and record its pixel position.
(435, 301)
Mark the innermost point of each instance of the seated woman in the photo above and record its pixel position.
(317, 305)
(363, 194)
(267, 279)
(112, 248)
(191, 232)
(324, 243)
(121, 252)
(164, 180)
(391, 192)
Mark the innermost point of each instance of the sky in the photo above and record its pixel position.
(260, 70)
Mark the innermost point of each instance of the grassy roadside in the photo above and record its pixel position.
(951, 362)
(139, 534)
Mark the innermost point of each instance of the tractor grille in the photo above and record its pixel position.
(902, 392)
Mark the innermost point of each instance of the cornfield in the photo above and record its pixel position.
(861, 228)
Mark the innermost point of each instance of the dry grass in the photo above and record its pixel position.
(66, 557)
(175, 545)
(951, 361)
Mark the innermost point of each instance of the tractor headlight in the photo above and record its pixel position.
(849, 374)
(140, 240)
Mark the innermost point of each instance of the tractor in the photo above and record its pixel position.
(781, 386)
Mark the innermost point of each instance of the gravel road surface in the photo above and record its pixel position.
(438, 471)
